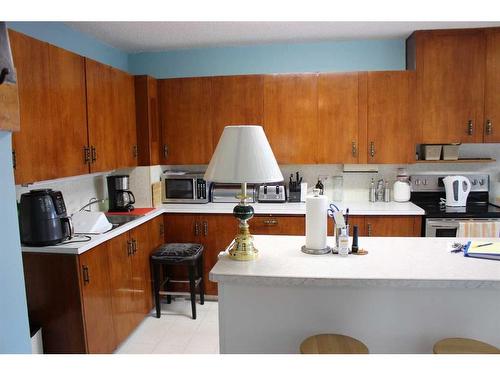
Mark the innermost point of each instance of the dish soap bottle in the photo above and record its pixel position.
(343, 243)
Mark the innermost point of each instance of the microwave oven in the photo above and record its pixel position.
(184, 187)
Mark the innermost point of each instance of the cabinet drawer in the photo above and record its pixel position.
(274, 224)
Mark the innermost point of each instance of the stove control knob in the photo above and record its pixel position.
(474, 182)
(424, 182)
(481, 182)
(417, 182)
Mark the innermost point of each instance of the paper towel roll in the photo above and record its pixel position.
(316, 222)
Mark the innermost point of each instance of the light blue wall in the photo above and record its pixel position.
(61, 35)
(273, 58)
(14, 329)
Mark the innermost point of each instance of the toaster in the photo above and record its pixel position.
(272, 194)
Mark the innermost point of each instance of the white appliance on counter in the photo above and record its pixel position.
(457, 190)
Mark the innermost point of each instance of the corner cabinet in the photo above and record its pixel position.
(492, 89)
(90, 303)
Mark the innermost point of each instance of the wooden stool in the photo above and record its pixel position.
(463, 346)
(178, 254)
(332, 344)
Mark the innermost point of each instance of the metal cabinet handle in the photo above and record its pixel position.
(470, 127)
(165, 151)
(162, 229)
(129, 248)
(372, 149)
(196, 229)
(369, 226)
(86, 155)
(134, 246)
(94, 154)
(86, 277)
(354, 149)
(489, 127)
(135, 151)
(205, 228)
(271, 222)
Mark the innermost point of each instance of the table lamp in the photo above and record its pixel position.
(243, 155)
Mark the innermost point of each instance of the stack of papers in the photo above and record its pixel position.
(485, 250)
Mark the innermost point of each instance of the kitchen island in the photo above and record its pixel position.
(402, 297)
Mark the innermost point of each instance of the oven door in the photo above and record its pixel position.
(178, 190)
(441, 227)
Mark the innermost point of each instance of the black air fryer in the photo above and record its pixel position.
(43, 220)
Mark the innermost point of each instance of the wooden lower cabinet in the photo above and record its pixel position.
(392, 226)
(96, 300)
(90, 303)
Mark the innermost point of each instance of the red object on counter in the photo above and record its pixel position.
(137, 211)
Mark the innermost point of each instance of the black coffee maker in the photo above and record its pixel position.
(120, 198)
(43, 219)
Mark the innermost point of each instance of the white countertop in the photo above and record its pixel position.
(81, 247)
(391, 261)
(355, 208)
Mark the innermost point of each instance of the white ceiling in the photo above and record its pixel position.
(160, 36)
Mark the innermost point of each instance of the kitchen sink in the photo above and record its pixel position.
(117, 220)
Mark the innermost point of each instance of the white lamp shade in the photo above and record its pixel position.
(243, 154)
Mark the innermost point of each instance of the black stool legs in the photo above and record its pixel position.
(202, 281)
(192, 288)
(156, 281)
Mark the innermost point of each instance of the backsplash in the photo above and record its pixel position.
(79, 189)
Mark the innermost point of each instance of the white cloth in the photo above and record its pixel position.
(471, 229)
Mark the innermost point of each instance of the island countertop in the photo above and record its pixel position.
(391, 261)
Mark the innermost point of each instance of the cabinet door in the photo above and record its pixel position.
(338, 117)
(102, 127)
(390, 117)
(185, 118)
(97, 307)
(492, 98)
(141, 270)
(148, 127)
(393, 226)
(291, 117)
(123, 112)
(35, 155)
(236, 100)
(122, 286)
(450, 85)
(68, 111)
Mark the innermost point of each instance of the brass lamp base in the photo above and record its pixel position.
(243, 248)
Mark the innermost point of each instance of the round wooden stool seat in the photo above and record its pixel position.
(463, 346)
(332, 344)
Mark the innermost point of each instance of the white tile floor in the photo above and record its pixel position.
(175, 332)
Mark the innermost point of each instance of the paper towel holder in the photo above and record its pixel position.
(324, 251)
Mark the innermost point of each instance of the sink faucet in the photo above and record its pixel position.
(91, 202)
(379, 192)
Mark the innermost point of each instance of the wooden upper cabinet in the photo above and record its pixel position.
(68, 106)
(148, 126)
(186, 120)
(52, 111)
(123, 112)
(97, 306)
(111, 117)
(236, 100)
(450, 69)
(338, 116)
(102, 134)
(291, 117)
(492, 90)
(390, 117)
(34, 157)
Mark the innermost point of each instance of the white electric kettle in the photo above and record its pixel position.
(457, 190)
